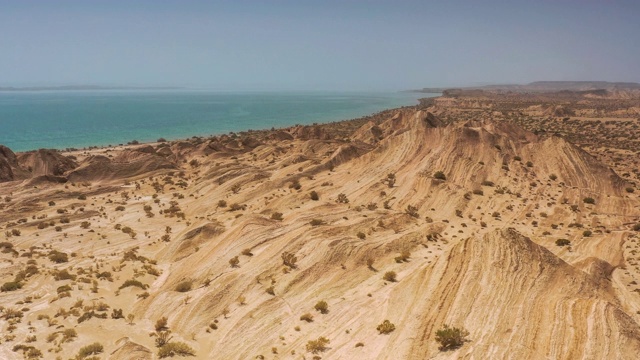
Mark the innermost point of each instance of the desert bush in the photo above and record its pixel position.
(306, 317)
(271, 291)
(120, 208)
(172, 349)
(390, 180)
(162, 337)
(161, 324)
(586, 233)
(390, 276)
(322, 307)
(184, 286)
(85, 224)
(117, 314)
(487, 183)
(439, 175)
(412, 211)
(318, 345)
(236, 207)
(629, 190)
(11, 286)
(361, 235)
(316, 222)
(277, 216)
(314, 196)
(563, 242)
(636, 227)
(386, 327)
(93, 349)
(234, 261)
(63, 275)
(58, 257)
(289, 259)
(295, 184)
(342, 198)
(222, 203)
(451, 338)
(133, 282)
(589, 200)
(247, 252)
(553, 177)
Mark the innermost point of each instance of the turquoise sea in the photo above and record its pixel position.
(64, 119)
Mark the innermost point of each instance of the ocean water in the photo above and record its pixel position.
(64, 119)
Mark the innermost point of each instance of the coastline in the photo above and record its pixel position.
(182, 129)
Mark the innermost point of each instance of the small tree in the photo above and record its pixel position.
(451, 338)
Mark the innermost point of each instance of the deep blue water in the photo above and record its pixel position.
(63, 119)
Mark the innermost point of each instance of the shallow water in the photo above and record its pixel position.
(64, 119)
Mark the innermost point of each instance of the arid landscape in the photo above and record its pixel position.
(514, 216)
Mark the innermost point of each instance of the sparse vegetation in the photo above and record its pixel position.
(386, 327)
(451, 337)
(318, 345)
(390, 276)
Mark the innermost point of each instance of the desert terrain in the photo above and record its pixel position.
(515, 216)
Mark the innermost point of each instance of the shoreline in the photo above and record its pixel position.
(137, 142)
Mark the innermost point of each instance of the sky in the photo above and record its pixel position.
(365, 45)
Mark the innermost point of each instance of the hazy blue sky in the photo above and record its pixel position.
(322, 44)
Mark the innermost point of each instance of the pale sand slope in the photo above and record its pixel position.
(501, 276)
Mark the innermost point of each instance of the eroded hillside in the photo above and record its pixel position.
(258, 244)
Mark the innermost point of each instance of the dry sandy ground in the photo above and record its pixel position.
(202, 226)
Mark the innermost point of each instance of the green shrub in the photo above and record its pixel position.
(386, 327)
(451, 338)
(93, 349)
(172, 349)
(11, 286)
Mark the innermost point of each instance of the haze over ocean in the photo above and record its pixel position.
(65, 119)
